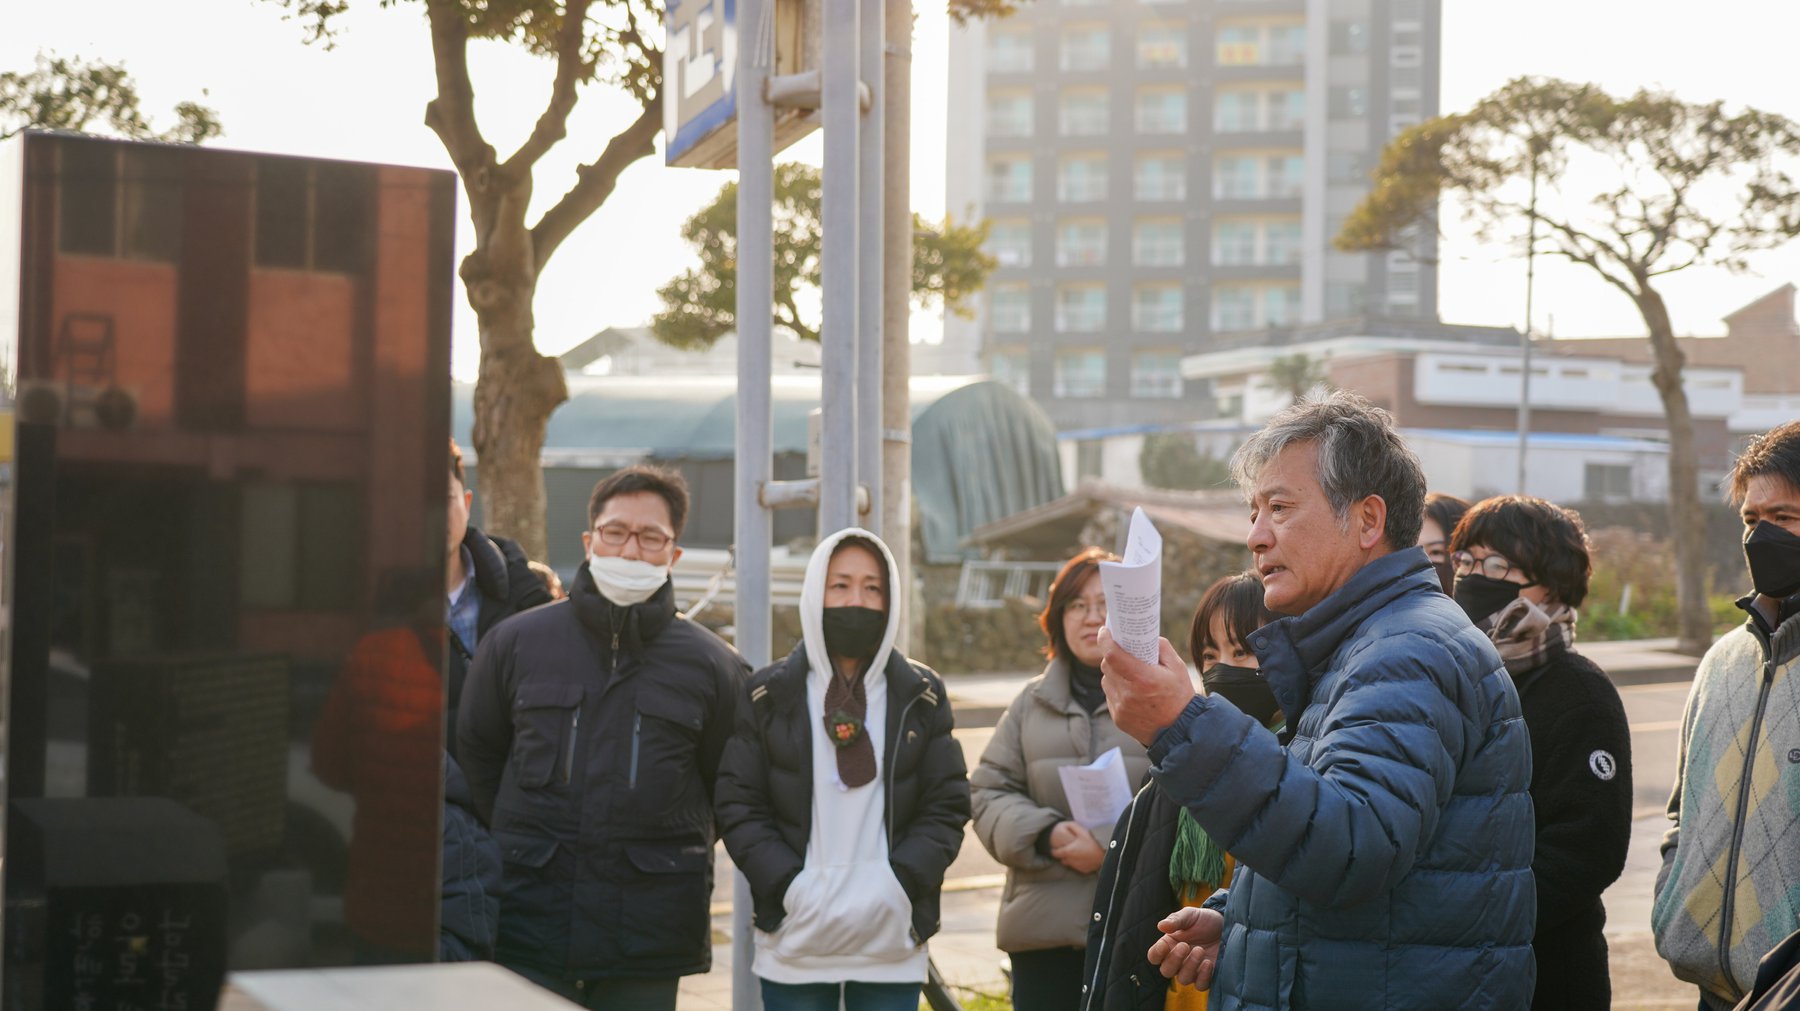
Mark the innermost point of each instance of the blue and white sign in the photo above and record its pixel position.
(699, 83)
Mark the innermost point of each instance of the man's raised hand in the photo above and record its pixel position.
(1144, 698)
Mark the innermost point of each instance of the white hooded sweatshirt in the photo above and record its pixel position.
(847, 916)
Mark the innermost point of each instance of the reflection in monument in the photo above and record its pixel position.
(232, 406)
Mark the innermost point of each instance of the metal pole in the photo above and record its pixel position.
(755, 432)
(840, 101)
(896, 283)
(868, 271)
(1525, 356)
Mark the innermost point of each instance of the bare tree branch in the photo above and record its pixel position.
(552, 125)
(451, 115)
(596, 181)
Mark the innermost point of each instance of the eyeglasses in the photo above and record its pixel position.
(1079, 608)
(650, 539)
(1493, 566)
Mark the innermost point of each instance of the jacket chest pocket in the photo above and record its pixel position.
(546, 732)
(665, 734)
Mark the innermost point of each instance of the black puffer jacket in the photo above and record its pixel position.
(591, 736)
(1581, 795)
(1133, 895)
(507, 586)
(766, 786)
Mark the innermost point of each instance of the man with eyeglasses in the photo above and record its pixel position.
(591, 732)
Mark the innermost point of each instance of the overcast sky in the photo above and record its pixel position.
(365, 100)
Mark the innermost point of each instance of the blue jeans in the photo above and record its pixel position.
(856, 996)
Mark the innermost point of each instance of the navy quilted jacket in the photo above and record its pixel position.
(1385, 852)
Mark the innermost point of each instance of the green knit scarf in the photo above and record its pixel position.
(1197, 861)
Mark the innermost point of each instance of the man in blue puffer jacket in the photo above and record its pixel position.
(1385, 852)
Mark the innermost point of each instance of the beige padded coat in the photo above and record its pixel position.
(1018, 793)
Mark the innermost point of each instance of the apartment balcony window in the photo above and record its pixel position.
(1260, 45)
(1085, 47)
(1160, 177)
(1287, 45)
(1081, 243)
(1010, 51)
(1080, 308)
(1009, 114)
(1158, 243)
(1282, 242)
(1156, 308)
(1083, 113)
(1281, 305)
(1285, 108)
(1237, 179)
(1237, 111)
(1287, 175)
(1162, 47)
(1234, 243)
(1009, 242)
(1156, 374)
(1009, 308)
(1011, 367)
(1161, 110)
(1080, 372)
(1081, 179)
(1234, 307)
(1009, 179)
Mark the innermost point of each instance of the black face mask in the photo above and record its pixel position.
(1446, 573)
(1481, 597)
(1243, 687)
(853, 632)
(1774, 558)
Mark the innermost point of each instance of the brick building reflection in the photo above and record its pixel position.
(233, 402)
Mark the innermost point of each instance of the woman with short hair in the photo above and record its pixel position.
(1522, 567)
(1022, 815)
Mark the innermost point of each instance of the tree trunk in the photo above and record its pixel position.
(1687, 519)
(517, 388)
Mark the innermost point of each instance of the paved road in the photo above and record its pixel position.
(965, 951)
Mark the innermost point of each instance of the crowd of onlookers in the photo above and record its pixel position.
(1399, 785)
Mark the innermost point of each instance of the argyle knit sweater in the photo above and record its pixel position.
(1729, 889)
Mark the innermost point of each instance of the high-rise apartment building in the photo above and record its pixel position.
(1158, 172)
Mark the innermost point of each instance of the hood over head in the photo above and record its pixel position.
(812, 599)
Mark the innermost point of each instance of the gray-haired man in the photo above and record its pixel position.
(1385, 852)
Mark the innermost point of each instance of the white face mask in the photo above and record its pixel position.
(626, 581)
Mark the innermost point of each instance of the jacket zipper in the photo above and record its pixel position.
(1737, 828)
(569, 761)
(637, 729)
(1112, 898)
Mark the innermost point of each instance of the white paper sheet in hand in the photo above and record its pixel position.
(1134, 590)
(1098, 791)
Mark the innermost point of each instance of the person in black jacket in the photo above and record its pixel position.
(842, 797)
(591, 731)
(1522, 568)
(486, 579)
(470, 921)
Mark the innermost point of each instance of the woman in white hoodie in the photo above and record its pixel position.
(842, 796)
